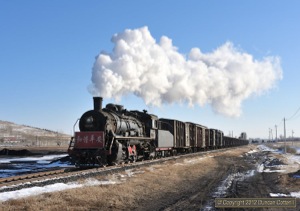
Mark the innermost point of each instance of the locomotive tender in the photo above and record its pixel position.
(113, 135)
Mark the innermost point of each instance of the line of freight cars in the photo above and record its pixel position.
(191, 137)
(113, 135)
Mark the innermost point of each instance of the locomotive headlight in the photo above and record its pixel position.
(90, 120)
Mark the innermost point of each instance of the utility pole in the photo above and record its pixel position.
(271, 134)
(276, 132)
(284, 136)
(292, 137)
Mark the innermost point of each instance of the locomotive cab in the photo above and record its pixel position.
(150, 121)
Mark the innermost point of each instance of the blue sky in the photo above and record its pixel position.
(48, 50)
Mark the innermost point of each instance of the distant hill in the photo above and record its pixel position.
(14, 134)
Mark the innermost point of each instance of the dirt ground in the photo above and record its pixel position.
(183, 184)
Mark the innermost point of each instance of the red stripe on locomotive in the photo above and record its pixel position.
(89, 139)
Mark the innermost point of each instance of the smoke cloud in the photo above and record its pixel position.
(159, 74)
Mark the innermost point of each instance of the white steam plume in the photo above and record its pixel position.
(159, 74)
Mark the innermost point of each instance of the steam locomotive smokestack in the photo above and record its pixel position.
(98, 103)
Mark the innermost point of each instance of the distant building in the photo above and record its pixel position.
(243, 136)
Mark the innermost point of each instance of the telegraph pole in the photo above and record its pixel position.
(292, 137)
(276, 132)
(271, 134)
(284, 137)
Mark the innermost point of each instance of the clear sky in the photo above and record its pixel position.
(48, 51)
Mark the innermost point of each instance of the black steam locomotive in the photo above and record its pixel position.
(113, 135)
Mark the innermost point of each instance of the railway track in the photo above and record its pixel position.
(74, 174)
(7, 180)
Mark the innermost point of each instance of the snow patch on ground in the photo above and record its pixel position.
(251, 151)
(223, 188)
(19, 165)
(260, 168)
(193, 160)
(270, 168)
(37, 190)
(264, 148)
(292, 164)
(292, 194)
(41, 160)
(26, 192)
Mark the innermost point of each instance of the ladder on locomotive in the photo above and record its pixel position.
(71, 144)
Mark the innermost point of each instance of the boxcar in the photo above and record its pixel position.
(219, 138)
(201, 137)
(178, 129)
(212, 138)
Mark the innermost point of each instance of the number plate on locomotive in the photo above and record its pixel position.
(89, 140)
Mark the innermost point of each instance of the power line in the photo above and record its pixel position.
(284, 120)
(296, 117)
(293, 114)
(280, 123)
